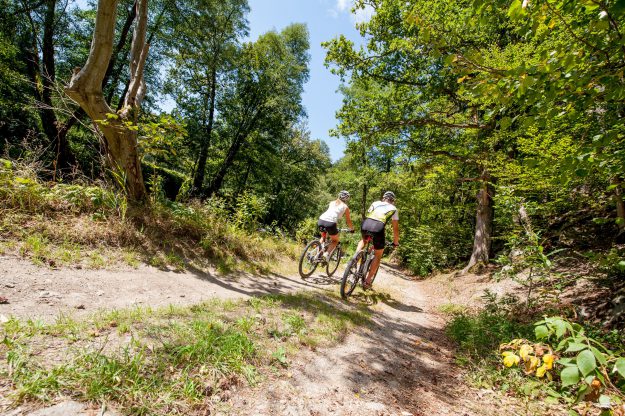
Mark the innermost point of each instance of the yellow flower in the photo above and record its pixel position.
(511, 359)
(548, 361)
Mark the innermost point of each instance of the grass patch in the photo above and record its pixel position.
(167, 360)
(478, 335)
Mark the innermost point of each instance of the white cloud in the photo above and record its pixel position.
(345, 6)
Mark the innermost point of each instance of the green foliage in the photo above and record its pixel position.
(478, 335)
(249, 210)
(587, 369)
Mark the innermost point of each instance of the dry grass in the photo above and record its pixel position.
(37, 220)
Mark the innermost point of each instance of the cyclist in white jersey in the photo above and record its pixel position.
(328, 220)
(378, 215)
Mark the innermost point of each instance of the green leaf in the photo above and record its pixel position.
(599, 356)
(586, 362)
(515, 10)
(576, 346)
(619, 366)
(560, 327)
(567, 362)
(569, 376)
(541, 332)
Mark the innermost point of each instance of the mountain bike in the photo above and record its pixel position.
(313, 255)
(358, 267)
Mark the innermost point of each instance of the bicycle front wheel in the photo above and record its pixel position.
(308, 261)
(352, 274)
(333, 262)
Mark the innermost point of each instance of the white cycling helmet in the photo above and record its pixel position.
(389, 195)
(344, 196)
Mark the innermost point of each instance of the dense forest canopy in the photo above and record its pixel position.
(472, 112)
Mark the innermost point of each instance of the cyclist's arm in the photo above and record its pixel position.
(396, 232)
(348, 219)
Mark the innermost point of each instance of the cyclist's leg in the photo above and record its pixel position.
(374, 266)
(378, 245)
(333, 232)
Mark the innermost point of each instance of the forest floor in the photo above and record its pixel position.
(400, 364)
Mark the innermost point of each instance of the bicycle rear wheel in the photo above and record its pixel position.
(308, 260)
(352, 274)
(333, 262)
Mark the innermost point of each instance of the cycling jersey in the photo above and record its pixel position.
(382, 211)
(334, 212)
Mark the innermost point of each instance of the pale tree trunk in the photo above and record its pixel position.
(483, 226)
(85, 88)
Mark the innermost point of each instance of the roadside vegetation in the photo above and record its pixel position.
(182, 360)
(498, 124)
(94, 226)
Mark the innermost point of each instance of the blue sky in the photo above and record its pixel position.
(326, 19)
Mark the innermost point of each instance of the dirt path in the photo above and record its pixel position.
(401, 365)
(36, 292)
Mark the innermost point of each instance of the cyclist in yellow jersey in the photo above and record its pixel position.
(378, 215)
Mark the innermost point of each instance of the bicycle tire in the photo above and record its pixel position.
(315, 244)
(337, 254)
(353, 268)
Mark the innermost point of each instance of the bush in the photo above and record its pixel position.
(581, 368)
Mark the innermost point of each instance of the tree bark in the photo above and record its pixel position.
(54, 131)
(218, 180)
(483, 226)
(85, 88)
(620, 203)
(198, 179)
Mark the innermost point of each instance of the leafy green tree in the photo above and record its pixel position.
(201, 63)
(265, 95)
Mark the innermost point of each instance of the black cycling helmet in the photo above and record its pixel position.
(389, 195)
(344, 196)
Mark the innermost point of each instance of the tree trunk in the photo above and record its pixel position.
(218, 180)
(57, 136)
(483, 226)
(198, 180)
(85, 88)
(620, 204)
(363, 212)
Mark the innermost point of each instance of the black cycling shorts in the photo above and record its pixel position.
(328, 226)
(375, 229)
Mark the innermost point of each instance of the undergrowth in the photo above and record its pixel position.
(94, 226)
(175, 360)
(504, 322)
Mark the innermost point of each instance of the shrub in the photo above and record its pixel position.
(582, 368)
